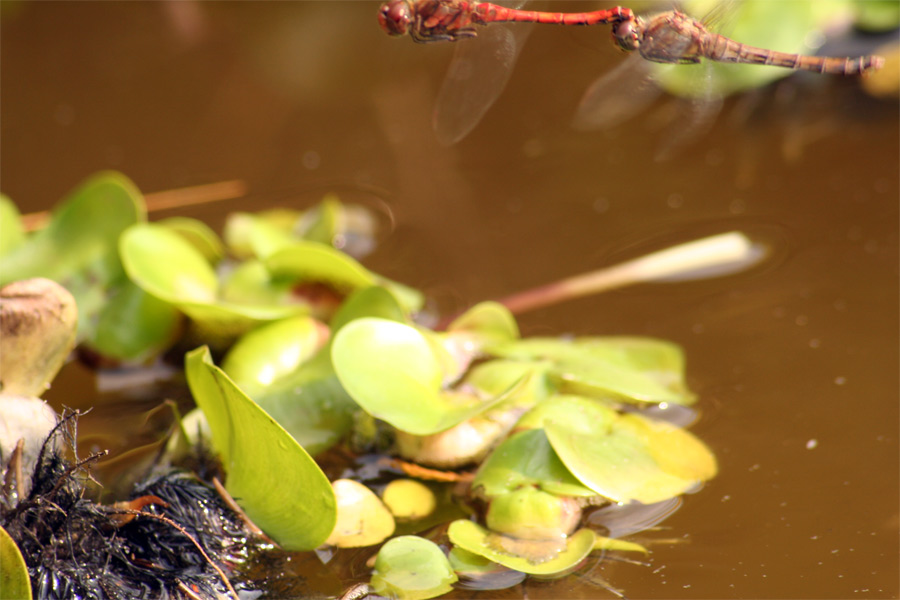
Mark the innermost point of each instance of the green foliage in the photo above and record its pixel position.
(412, 568)
(274, 480)
(14, 581)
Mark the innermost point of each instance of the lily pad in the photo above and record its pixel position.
(299, 510)
(478, 540)
(412, 568)
(14, 581)
(199, 235)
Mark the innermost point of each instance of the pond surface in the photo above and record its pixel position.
(795, 363)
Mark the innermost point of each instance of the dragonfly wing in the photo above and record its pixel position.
(616, 96)
(478, 72)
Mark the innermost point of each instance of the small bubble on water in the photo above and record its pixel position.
(812, 444)
(311, 160)
(815, 343)
(64, 114)
(737, 206)
(726, 498)
(840, 380)
(675, 200)
(801, 320)
(601, 205)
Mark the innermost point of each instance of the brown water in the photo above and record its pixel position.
(796, 363)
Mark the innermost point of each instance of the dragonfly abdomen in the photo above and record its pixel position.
(724, 49)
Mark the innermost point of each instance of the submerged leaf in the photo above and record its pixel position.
(412, 568)
(546, 557)
(274, 480)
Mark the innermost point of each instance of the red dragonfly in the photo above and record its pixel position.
(479, 71)
(670, 37)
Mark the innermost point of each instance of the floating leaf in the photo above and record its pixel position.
(412, 568)
(272, 351)
(489, 320)
(12, 233)
(527, 459)
(134, 325)
(14, 581)
(78, 247)
(274, 480)
(612, 544)
(362, 518)
(409, 499)
(312, 261)
(631, 458)
(633, 369)
(391, 371)
(373, 301)
(199, 235)
(503, 549)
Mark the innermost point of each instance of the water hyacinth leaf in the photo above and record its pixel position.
(251, 284)
(633, 369)
(252, 234)
(134, 325)
(272, 351)
(373, 301)
(12, 233)
(409, 499)
(391, 371)
(298, 511)
(634, 459)
(535, 515)
(584, 415)
(167, 266)
(527, 459)
(199, 235)
(476, 539)
(412, 568)
(78, 247)
(362, 518)
(612, 544)
(314, 262)
(14, 581)
(489, 320)
(310, 404)
(495, 376)
(82, 233)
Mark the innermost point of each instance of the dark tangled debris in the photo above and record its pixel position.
(175, 538)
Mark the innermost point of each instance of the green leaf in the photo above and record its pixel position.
(527, 459)
(520, 555)
(373, 301)
(78, 247)
(135, 326)
(14, 581)
(199, 235)
(631, 458)
(632, 369)
(270, 352)
(489, 320)
(362, 518)
(391, 371)
(273, 479)
(315, 262)
(12, 234)
(412, 568)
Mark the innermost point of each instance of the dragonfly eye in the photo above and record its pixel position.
(627, 34)
(394, 17)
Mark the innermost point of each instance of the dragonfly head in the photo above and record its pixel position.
(627, 34)
(395, 16)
